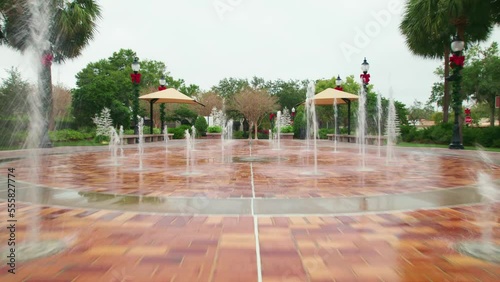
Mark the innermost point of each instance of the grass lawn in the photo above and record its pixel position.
(406, 144)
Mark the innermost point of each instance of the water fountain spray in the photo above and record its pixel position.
(39, 33)
(391, 128)
(189, 149)
(114, 142)
(485, 249)
(312, 126)
(193, 137)
(379, 122)
(335, 116)
(278, 129)
(121, 140)
(140, 146)
(361, 132)
(165, 137)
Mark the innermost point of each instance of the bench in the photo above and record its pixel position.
(133, 139)
(370, 139)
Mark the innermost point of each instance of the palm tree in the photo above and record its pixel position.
(429, 25)
(61, 28)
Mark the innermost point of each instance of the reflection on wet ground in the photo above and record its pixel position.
(243, 210)
(286, 173)
(241, 206)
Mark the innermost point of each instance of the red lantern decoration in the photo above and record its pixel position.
(136, 77)
(47, 59)
(365, 77)
(467, 112)
(457, 61)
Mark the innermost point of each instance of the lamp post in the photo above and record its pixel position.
(293, 114)
(338, 83)
(136, 80)
(456, 63)
(365, 77)
(162, 86)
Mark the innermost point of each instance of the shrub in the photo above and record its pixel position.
(441, 134)
(101, 139)
(287, 129)
(239, 135)
(487, 136)
(262, 135)
(146, 130)
(68, 135)
(179, 131)
(214, 129)
(201, 126)
(437, 117)
(408, 133)
(324, 131)
(299, 125)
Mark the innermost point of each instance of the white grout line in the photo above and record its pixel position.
(256, 229)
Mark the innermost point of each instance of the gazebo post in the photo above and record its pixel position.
(348, 117)
(348, 102)
(151, 102)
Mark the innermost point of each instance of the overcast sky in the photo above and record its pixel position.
(204, 41)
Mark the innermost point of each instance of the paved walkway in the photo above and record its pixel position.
(235, 218)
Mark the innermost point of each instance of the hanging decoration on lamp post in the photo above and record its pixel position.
(456, 64)
(136, 80)
(468, 118)
(365, 76)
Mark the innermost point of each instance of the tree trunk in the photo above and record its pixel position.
(446, 94)
(46, 99)
(255, 130)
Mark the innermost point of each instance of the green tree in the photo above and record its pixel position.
(183, 114)
(106, 83)
(418, 111)
(480, 76)
(228, 87)
(254, 104)
(428, 27)
(72, 27)
(14, 94)
(201, 126)
(289, 93)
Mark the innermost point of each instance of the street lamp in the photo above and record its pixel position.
(365, 76)
(338, 83)
(293, 114)
(136, 79)
(162, 86)
(456, 63)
